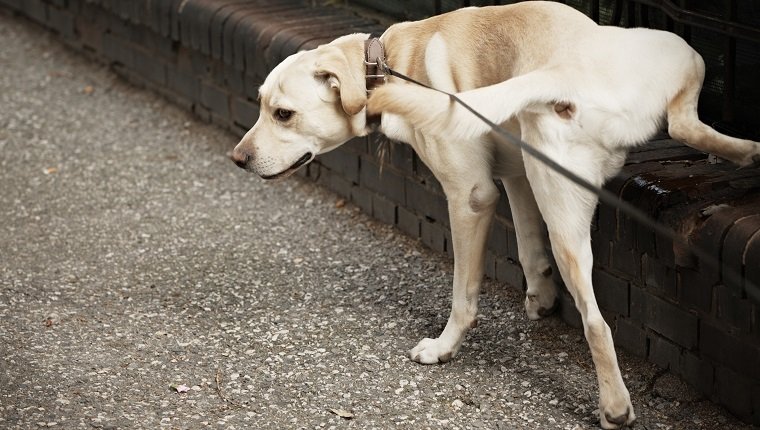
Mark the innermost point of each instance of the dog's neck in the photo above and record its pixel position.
(374, 53)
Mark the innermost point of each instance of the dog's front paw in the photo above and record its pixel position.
(432, 351)
(616, 411)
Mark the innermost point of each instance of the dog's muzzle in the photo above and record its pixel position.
(244, 160)
(287, 172)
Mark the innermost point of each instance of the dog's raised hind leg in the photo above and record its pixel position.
(684, 124)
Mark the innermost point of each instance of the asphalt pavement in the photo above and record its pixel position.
(147, 282)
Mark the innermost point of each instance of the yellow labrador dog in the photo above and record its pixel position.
(581, 93)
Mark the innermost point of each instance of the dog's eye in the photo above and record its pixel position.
(283, 114)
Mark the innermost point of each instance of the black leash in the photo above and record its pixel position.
(604, 195)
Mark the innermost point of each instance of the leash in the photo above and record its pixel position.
(605, 196)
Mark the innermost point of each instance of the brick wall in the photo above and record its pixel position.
(662, 304)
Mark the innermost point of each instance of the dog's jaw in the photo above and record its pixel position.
(305, 159)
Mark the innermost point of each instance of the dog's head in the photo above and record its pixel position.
(310, 103)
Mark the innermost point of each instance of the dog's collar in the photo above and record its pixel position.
(374, 57)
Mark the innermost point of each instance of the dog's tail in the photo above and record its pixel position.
(684, 124)
(437, 114)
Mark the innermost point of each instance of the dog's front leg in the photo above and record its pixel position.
(471, 205)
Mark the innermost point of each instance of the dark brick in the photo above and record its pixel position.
(511, 273)
(503, 210)
(343, 163)
(36, 10)
(611, 292)
(497, 239)
(61, 21)
(382, 180)
(421, 170)
(118, 50)
(286, 40)
(733, 309)
(202, 23)
(568, 311)
(159, 46)
(626, 260)
(734, 391)
(449, 243)
(738, 353)
(419, 198)
(362, 198)
(202, 112)
(663, 353)
(664, 317)
(120, 27)
(512, 247)
(149, 67)
(489, 268)
(174, 18)
(221, 19)
(645, 240)
(693, 290)
(734, 246)
(234, 80)
(697, 371)
(215, 99)
(401, 157)
(357, 145)
(630, 336)
(432, 235)
(752, 270)
(408, 222)
(185, 84)
(664, 250)
(90, 35)
(200, 64)
(233, 28)
(606, 221)
(257, 31)
(165, 14)
(383, 209)
(244, 112)
(659, 278)
(13, 4)
(602, 250)
(341, 186)
(710, 236)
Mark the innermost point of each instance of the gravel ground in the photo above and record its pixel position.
(145, 282)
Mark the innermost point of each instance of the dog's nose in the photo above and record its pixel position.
(240, 158)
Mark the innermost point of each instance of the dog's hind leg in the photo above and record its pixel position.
(472, 197)
(684, 124)
(541, 294)
(568, 211)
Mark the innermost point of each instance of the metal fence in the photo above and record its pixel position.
(725, 32)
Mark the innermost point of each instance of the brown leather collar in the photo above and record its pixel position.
(374, 54)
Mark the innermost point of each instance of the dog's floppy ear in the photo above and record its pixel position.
(344, 76)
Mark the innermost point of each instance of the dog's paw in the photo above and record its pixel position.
(616, 412)
(752, 162)
(539, 306)
(541, 298)
(432, 351)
